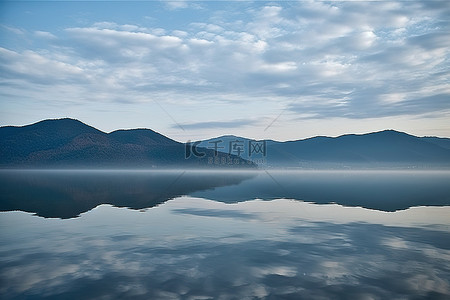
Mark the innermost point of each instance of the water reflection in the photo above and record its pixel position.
(66, 194)
(178, 251)
(233, 236)
(388, 190)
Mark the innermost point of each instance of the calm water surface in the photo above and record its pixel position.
(224, 235)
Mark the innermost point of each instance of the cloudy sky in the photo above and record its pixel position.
(282, 70)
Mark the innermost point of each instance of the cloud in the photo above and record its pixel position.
(116, 40)
(217, 213)
(315, 58)
(218, 124)
(180, 4)
(44, 34)
(37, 68)
(383, 107)
(14, 30)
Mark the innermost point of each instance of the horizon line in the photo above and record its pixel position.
(223, 135)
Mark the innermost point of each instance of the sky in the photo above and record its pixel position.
(191, 70)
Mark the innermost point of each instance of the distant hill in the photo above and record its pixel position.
(441, 142)
(388, 148)
(71, 143)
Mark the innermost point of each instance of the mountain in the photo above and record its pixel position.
(144, 137)
(441, 142)
(388, 148)
(71, 143)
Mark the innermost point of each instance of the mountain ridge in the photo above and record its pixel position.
(377, 148)
(70, 142)
(322, 136)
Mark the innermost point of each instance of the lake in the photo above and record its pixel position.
(184, 234)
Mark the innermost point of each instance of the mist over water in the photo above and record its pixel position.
(185, 234)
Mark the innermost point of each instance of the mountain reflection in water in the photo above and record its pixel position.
(224, 235)
(67, 194)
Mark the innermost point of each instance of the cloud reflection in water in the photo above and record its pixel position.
(192, 248)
